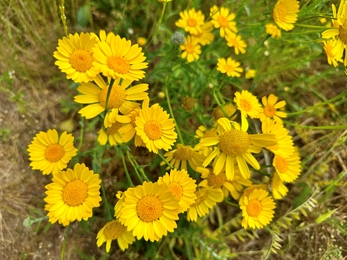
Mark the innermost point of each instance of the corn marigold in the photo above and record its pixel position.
(206, 36)
(269, 110)
(285, 13)
(289, 168)
(191, 21)
(273, 30)
(235, 41)
(110, 134)
(191, 49)
(279, 190)
(229, 66)
(223, 19)
(334, 50)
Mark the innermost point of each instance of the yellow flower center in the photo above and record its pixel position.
(269, 111)
(222, 21)
(343, 32)
(189, 48)
(75, 192)
(191, 22)
(116, 99)
(113, 230)
(113, 128)
(176, 189)
(281, 164)
(216, 180)
(229, 68)
(254, 208)
(118, 64)
(153, 130)
(188, 103)
(149, 208)
(279, 12)
(54, 153)
(81, 60)
(245, 105)
(183, 153)
(234, 142)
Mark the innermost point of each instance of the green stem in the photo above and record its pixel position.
(164, 159)
(311, 26)
(324, 127)
(81, 135)
(159, 23)
(108, 94)
(107, 206)
(123, 13)
(137, 167)
(67, 230)
(126, 170)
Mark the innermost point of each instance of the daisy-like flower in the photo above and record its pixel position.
(141, 41)
(50, 153)
(220, 181)
(334, 50)
(121, 99)
(117, 58)
(228, 111)
(224, 20)
(230, 67)
(149, 210)
(202, 132)
(191, 49)
(250, 189)
(279, 190)
(155, 128)
(114, 230)
(179, 157)
(207, 198)
(284, 146)
(257, 209)
(270, 109)
(288, 169)
(191, 21)
(273, 30)
(234, 40)
(250, 74)
(285, 13)
(72, 195)
(110, 135)
(206, 36)
(127, 130)
(235, 146)
(75, 57)
(248, 105)
(182, 187)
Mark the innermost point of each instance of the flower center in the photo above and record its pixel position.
(245, 105)
(279, 12)
(191, 22)
(149, 208)
(153, 130)
(269, 111)
(116, 98)
(281, 164)
(176, 189)
(216, 180)
(229, 68)
(223, 22)
(234, 142)
(113, 230)
(189, 48)
(343, 32)
(118, 64)
(54, 153)
(75, 192)
(81, 60)
(113, 128)
(183, 153)
(253, 208)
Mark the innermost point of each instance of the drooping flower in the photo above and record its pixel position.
(228, 111)
(269, 110)
(182, 186)
(72, 195)
(334, 50)
(110, 134)
(206, 36)
(149, 210)
(235, 146)
(273, 30)
(191, 49)
(141, 41)
(203, 132)
(235, 41)
(114, 230)
(223, 19)
(50, 153)
(279, 190)
(285, 13)
(289, 168)
(257, 209)
(75, 57)
(117, 58)
(229, 66)
(191, 21)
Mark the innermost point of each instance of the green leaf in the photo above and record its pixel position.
(83, 16)
(303, 196)
(323, 217)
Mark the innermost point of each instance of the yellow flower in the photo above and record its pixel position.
(279, 190)
(155, 128)
(228, 111)
(117, 58)
(121, 99)
(207, 198)
(235, 146)
(72, 195)
(149, 210)
(141, 41)
(223, 19)
(257, 209)
(206, 36)
(201, 133)
(114, 230)
(270, 109)
(191, 21)
(191, 49)
(182, 187)
(250, 189)
(250, 74)
(334, 50)
(234, 40)
(229, 66)
(75, 57)
(288, 169)
(273, 30)
(111, 135)
(50, 153)
(179, 157)
(285, 13)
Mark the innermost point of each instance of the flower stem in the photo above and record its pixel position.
(137, 167)
(159, 22)
(67, 230)
(164, 159)
(126, 170)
